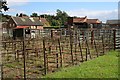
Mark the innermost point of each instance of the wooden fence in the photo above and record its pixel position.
(49, 53)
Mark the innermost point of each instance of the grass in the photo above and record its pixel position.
(102, 67)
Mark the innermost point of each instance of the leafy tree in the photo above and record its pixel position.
(61, 16)
(21, 14)
(34, 15)
(4, 18)
(59, 20)
(3, 5)
(17, 14)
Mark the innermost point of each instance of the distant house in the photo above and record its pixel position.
(80, 22)
(16, 25)
(84, 22)
(94, 23)
(113, 23)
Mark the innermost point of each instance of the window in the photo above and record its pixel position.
(10, 25)
(13, 25)
(33, 27)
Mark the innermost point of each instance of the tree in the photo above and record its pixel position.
(21, 15)
(17, 14)
(61, 16)
(59, 20)
(34, 15)
(3, 5)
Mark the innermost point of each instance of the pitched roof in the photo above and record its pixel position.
(80, 20)
(27, 21)
(93, 21)
(113, 22)
(44, 21)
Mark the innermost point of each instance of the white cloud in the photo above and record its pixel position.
(14, 11)
(49, 12)
(17, 2)
(100, 14)
(63, 0)
(73, 0)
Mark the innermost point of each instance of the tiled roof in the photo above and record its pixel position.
(80, 20)
(44, 22)
(27, 21)
(93, 21)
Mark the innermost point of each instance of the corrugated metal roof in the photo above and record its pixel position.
(26, 21)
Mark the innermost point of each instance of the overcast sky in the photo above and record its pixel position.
(104, 10)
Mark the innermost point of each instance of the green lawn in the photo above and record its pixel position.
(102, 67)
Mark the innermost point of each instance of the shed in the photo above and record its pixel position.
(17, 24)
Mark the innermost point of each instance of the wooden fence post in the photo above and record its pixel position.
(109, 45)
(88, 48)
(71, 47)
(60, 53)
(86, 54)
(75, 42)
(57, 58)
(45, 68)
(114, 37)
(15, 49)
(24, 54)
(92, 37)
(96, 48)
(83, 38)
(103, 44)
(1, 70)
(80, 49)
